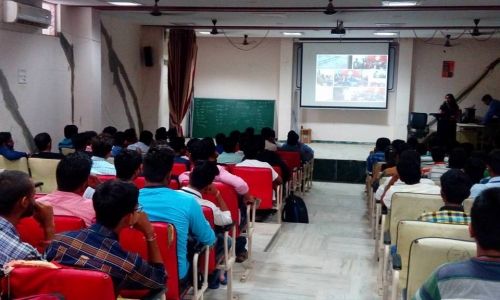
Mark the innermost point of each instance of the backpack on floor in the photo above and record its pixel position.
(295, 210)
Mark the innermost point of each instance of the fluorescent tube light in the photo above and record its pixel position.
(400, 3)
(124, 3)
(292, 33)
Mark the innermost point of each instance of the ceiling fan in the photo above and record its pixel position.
(156, 10)
(245, 40)
(214, 30)
(330, 9)
(475, 31)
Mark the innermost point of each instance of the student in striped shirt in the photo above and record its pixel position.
(478, 277)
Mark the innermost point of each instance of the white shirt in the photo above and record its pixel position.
(258, 164)
(425, 186)
(437, 170)
(270, 146)
(139, 146)
(478, 187)
(221, 218)
(100, 166)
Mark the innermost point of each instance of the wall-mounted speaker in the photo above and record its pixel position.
(148, 56)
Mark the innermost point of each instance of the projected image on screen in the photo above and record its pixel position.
(351, 75)
(351, 78)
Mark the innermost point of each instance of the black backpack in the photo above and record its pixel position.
(295, 210)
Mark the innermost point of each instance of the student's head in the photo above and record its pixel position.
(267, 133)
(400, 146)
(70, 131)
(16, 194)
(79, 141)
(115, 203)
(161, 134)
(485, 224)
(250, 131)
(457, 158)
(73, 172)
(230, 145)
(409, 167)
(146, 137)
(455, 186)
(210, 147)
(493, 163)
(130, 136)
(157, 165)
(487, 99)
(220, 138)
(474, 168)
(438, 153)
(412, 142)
(391, 156)
(203, 174)
(101, 146)
(201, 149)
(6, 139)
(172, 132)
(128, 165)
(253, 147)
(292, 138)
(235, 134)
(382, 143)
(119, 139)
(43, 142)
(178, 145)
(110, 131)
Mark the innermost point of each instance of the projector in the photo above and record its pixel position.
(338, 30)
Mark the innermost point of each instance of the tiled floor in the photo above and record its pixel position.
(330, 258)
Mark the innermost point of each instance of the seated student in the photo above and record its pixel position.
(130, 137)
(118, 143)
(230, 155)
(101, 150)
(271, 157)
(474, 168)
(378, 153)
(477, 277)
(219, 142)
(438, 168)
(16, 202)
(251, 150)
(293, 144)
(165, 205)
(407, 180)
(493, 166)
(80, 141)
(270, 139)
(145, 141)
(177, 144)
(455, 188)
(457, 158)
(128, 165)
(72, 175)
(98, 248)
(161, 135)
(69, 132)
(205, 150)
(200, 181)
(110, 131)
(43, 143)
(7, 147)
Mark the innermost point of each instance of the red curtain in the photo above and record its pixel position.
(182, 50)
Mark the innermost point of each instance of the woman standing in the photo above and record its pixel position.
(447, 126)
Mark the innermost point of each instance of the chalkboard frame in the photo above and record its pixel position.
(256, 113)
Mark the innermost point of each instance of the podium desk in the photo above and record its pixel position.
(471, 133)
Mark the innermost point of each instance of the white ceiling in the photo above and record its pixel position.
(361, 17)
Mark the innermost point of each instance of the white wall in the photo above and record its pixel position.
(471, 59)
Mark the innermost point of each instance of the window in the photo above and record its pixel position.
(51, 30)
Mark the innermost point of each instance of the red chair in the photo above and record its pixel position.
(260, 184)
(104, 178)
(30, 231)
(73, 284)
(178, 169)
(140, 182)
(294, 163)
(230, 196)
(133, 240)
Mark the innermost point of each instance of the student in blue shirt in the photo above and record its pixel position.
(378, 153)
(162, 204)
(7, 147)
(69, 132)
(493, 109)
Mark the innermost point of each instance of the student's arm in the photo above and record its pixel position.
(198, 225)
(240, 186)
(143, 225)
(44, 215)
(220, 201)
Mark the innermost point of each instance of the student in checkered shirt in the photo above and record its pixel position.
(455, 188)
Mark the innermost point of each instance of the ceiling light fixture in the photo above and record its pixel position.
(292, 33)
(204, 32)
(400, 3)
(385, 33)
(330, 9)
(124, 3)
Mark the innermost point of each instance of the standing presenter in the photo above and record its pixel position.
(447, 125)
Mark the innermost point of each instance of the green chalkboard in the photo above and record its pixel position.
(211, 116)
